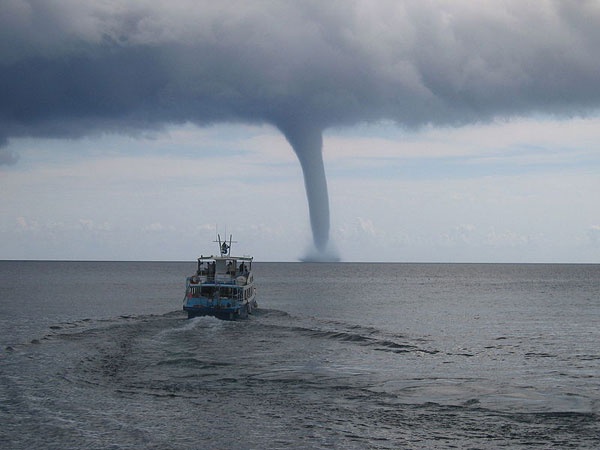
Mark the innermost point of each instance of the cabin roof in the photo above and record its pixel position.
(215, 258)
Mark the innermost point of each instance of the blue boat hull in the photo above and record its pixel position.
(231, 313)
(226, 310)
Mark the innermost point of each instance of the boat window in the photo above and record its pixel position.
(226, 292)
(207, 291)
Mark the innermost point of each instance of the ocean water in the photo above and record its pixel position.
(99, 355)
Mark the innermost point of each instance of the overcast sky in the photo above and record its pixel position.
(452, 131)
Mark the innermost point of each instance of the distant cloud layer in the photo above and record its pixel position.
(69, 68)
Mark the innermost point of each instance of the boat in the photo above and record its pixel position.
(223, 286)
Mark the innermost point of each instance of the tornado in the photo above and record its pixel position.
(307, 142)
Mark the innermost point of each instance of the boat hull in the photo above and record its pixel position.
(235, 312)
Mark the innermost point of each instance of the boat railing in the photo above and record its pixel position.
(225, 291)
(218, 278)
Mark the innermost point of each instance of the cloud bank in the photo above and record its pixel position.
(70, 68)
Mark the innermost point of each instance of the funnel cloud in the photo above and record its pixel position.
(70, 69)
(307, 142)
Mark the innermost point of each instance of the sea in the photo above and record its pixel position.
(100, 355)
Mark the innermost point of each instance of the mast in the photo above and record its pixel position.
(224, 247)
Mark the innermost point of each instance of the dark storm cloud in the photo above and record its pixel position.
(70, 68)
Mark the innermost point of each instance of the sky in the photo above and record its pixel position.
(428, 131)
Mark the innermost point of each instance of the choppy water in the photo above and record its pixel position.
(348, 356)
